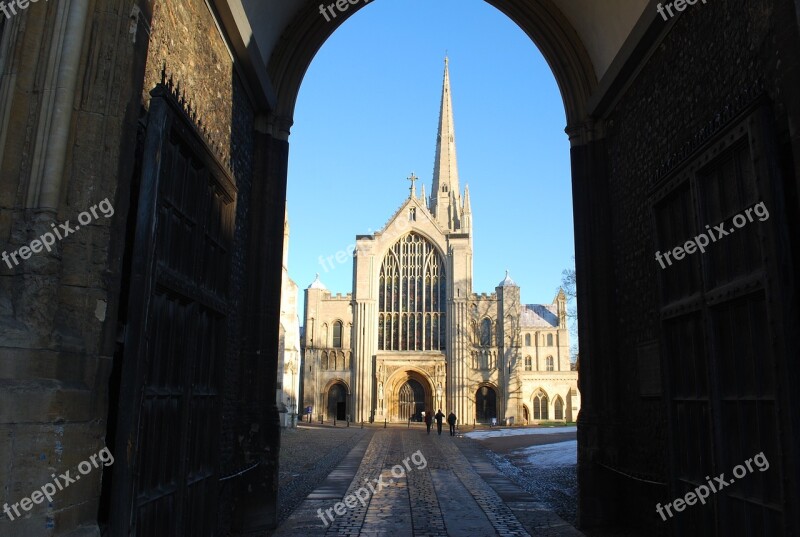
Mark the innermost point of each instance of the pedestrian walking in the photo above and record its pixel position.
(451, 421)
(428, 421)
(439, 417)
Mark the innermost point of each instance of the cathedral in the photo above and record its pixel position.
(414, 337)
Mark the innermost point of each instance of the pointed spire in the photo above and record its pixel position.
(466, 214)
(423, 196)
(446, 188)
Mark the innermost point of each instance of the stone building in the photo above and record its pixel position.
(288, 387)
(420, 338)
(156, 331)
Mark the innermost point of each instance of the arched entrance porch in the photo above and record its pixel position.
(409, 393)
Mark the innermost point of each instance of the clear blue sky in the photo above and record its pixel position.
(367, 117)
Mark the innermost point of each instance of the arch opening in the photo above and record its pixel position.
(337, 402)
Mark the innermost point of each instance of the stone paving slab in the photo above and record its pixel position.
(462, 513)
(413, 484)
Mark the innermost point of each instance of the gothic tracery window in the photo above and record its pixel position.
(412, 297)
(558, 408)
(540, 405)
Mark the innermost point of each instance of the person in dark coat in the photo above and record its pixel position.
(439, 417)
(428, 421)
(451, 420)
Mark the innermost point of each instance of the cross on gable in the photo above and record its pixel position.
(413, 180)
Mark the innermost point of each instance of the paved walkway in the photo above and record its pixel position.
(401, 483)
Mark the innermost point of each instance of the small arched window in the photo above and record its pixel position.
(337, 335)
(486, 333)
(324, 361)
(527, 340)
(550, 365)
(549, 340)
(528, 363)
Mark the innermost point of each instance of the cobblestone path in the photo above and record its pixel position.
(403, 482)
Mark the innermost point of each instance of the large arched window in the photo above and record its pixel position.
(412, 297)
(337, 335)
(550, 364)
(527, 340)
(528, 363)
(540, 405)
(549, 340)
(486, 333)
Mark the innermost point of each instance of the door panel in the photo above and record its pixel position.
(166, 482)
(716, 334)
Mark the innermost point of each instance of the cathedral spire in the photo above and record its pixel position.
(445, 194)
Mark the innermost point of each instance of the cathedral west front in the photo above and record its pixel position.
(414, 337)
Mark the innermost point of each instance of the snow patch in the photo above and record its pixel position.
(495, 433)
(548, 455)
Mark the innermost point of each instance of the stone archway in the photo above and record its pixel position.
(409, 393)
(336, 402)
(485, 404)
(411, 401)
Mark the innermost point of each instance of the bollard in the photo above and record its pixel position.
(334, 421)
(362, 424)
(384, 423)
(348, 422)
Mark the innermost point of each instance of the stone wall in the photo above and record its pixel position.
(57, 309)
